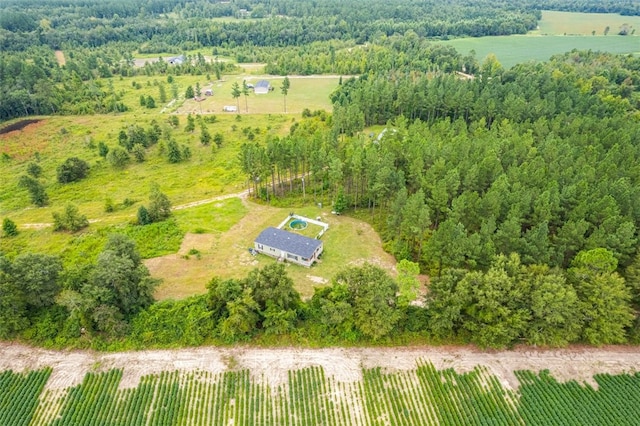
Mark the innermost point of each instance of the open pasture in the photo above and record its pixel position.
(574, 23)
(311, 92)
(558, 32)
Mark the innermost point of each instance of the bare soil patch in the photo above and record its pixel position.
(342, 364)
(24, 138)
(60, 57)
(18, 125)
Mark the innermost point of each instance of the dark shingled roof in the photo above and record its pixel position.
(289, 242)
(262, 83)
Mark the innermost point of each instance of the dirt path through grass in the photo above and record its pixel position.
(242, 195)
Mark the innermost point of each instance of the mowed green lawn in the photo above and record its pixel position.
(550, 39)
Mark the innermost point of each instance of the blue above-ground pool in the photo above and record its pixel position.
(298, 224)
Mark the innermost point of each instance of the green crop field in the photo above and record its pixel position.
(422, 396)
(558, 32)
(573, 23)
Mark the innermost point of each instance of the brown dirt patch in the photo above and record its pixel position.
(341, 364)
(22, 139)
(60, 57)
(17, 126)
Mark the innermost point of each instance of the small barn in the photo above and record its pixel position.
(262, 87)
(288, 246)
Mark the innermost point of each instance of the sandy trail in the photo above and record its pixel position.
(243, 195)
(343, 364)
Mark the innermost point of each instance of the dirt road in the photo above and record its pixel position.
(344, 364)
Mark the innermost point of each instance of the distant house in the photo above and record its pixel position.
(208, 92)
(262, 87)
(177, 60)
(230, 108)
(288, 246)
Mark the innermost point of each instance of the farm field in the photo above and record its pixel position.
(573, 23)
(366, 386)
(558, 32)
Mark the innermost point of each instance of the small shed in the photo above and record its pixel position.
(208, 92)
(262, 87)
(288, 246)
(230, 108)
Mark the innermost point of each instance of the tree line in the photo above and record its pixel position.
(109, 304)
(282, 23)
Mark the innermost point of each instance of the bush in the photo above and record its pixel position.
(34, 169)
(36, 190)
(9, 228)
(143, 216)
(103, 149)
(139, 153)
(118, 157)
(73, 169)
(69, 220)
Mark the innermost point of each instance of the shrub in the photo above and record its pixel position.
(73, 169)
(118, 157)
(69, 220)
(9, 228)
(34, 169)
(36, 190)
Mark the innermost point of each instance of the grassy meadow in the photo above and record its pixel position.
(305, 92)
(573, 23)
(558, 32)
(198, 242)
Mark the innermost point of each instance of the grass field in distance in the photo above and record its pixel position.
(558, 32)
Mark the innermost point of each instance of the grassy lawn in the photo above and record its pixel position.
(558, 32)
(225, 254)
(305, 92)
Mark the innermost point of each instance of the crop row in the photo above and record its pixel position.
(424, 396)
(19, 393)
(545, 401)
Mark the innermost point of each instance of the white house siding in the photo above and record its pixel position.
(289, 257)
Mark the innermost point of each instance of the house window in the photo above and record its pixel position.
(292, 256)
(260, 246)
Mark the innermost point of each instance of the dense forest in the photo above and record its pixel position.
(516, 190)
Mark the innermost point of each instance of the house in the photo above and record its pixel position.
(177, 60)
(288, 246)
(230, 108)
(208, 92)
(262, 87)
